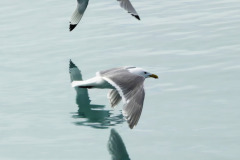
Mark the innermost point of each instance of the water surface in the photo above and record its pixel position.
(191, 112)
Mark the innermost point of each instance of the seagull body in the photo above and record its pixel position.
(82, 5)
(125, 83)
(95, 82)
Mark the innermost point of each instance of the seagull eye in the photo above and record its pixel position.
(145, 72)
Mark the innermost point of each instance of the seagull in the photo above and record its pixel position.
(82, 5)
(126, 83)
(91, 114)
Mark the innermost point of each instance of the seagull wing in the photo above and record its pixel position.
(133, 109)
(82, 93)
(75, 73)
(126, 4)
(131, 89)
(114, 97)
(78, 13)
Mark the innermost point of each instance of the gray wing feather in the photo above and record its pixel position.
(114, 97)
(113, 70)
(126, 4)
(131, 89)
(78, 13)
(109, 71)
(133, 109)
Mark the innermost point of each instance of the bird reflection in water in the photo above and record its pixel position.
(116, 146)
(91, 115)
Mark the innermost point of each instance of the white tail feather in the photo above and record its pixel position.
(76, 83)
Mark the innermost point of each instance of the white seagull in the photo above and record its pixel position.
(125, 83)
(82, 5)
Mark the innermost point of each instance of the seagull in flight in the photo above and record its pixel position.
(126, 83)
(82, 5)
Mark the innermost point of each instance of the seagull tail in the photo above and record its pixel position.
(76, 83)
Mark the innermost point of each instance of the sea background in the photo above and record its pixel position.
(191, 112)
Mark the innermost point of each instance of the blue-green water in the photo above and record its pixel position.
(191, 112)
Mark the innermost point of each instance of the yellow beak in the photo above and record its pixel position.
(153, 76)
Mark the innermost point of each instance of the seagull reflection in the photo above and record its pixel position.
(116, 147)
(91, 115)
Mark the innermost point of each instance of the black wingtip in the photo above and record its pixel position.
(72, 26)
(71, 64)
(131, 126)
(136, 16)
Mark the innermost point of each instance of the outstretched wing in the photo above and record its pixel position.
(126, 4)
(75, 73)
(78, 13)
(82, 93)
(131, 89)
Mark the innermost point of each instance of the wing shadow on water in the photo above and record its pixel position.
(116, 146)
(89, 114)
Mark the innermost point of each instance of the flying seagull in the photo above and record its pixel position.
(90, 114)
(82, 5)
(125, 83)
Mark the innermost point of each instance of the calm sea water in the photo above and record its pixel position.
(191, 112)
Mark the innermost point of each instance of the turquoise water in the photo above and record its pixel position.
(191, 112)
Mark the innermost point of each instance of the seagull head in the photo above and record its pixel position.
(142, 72)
